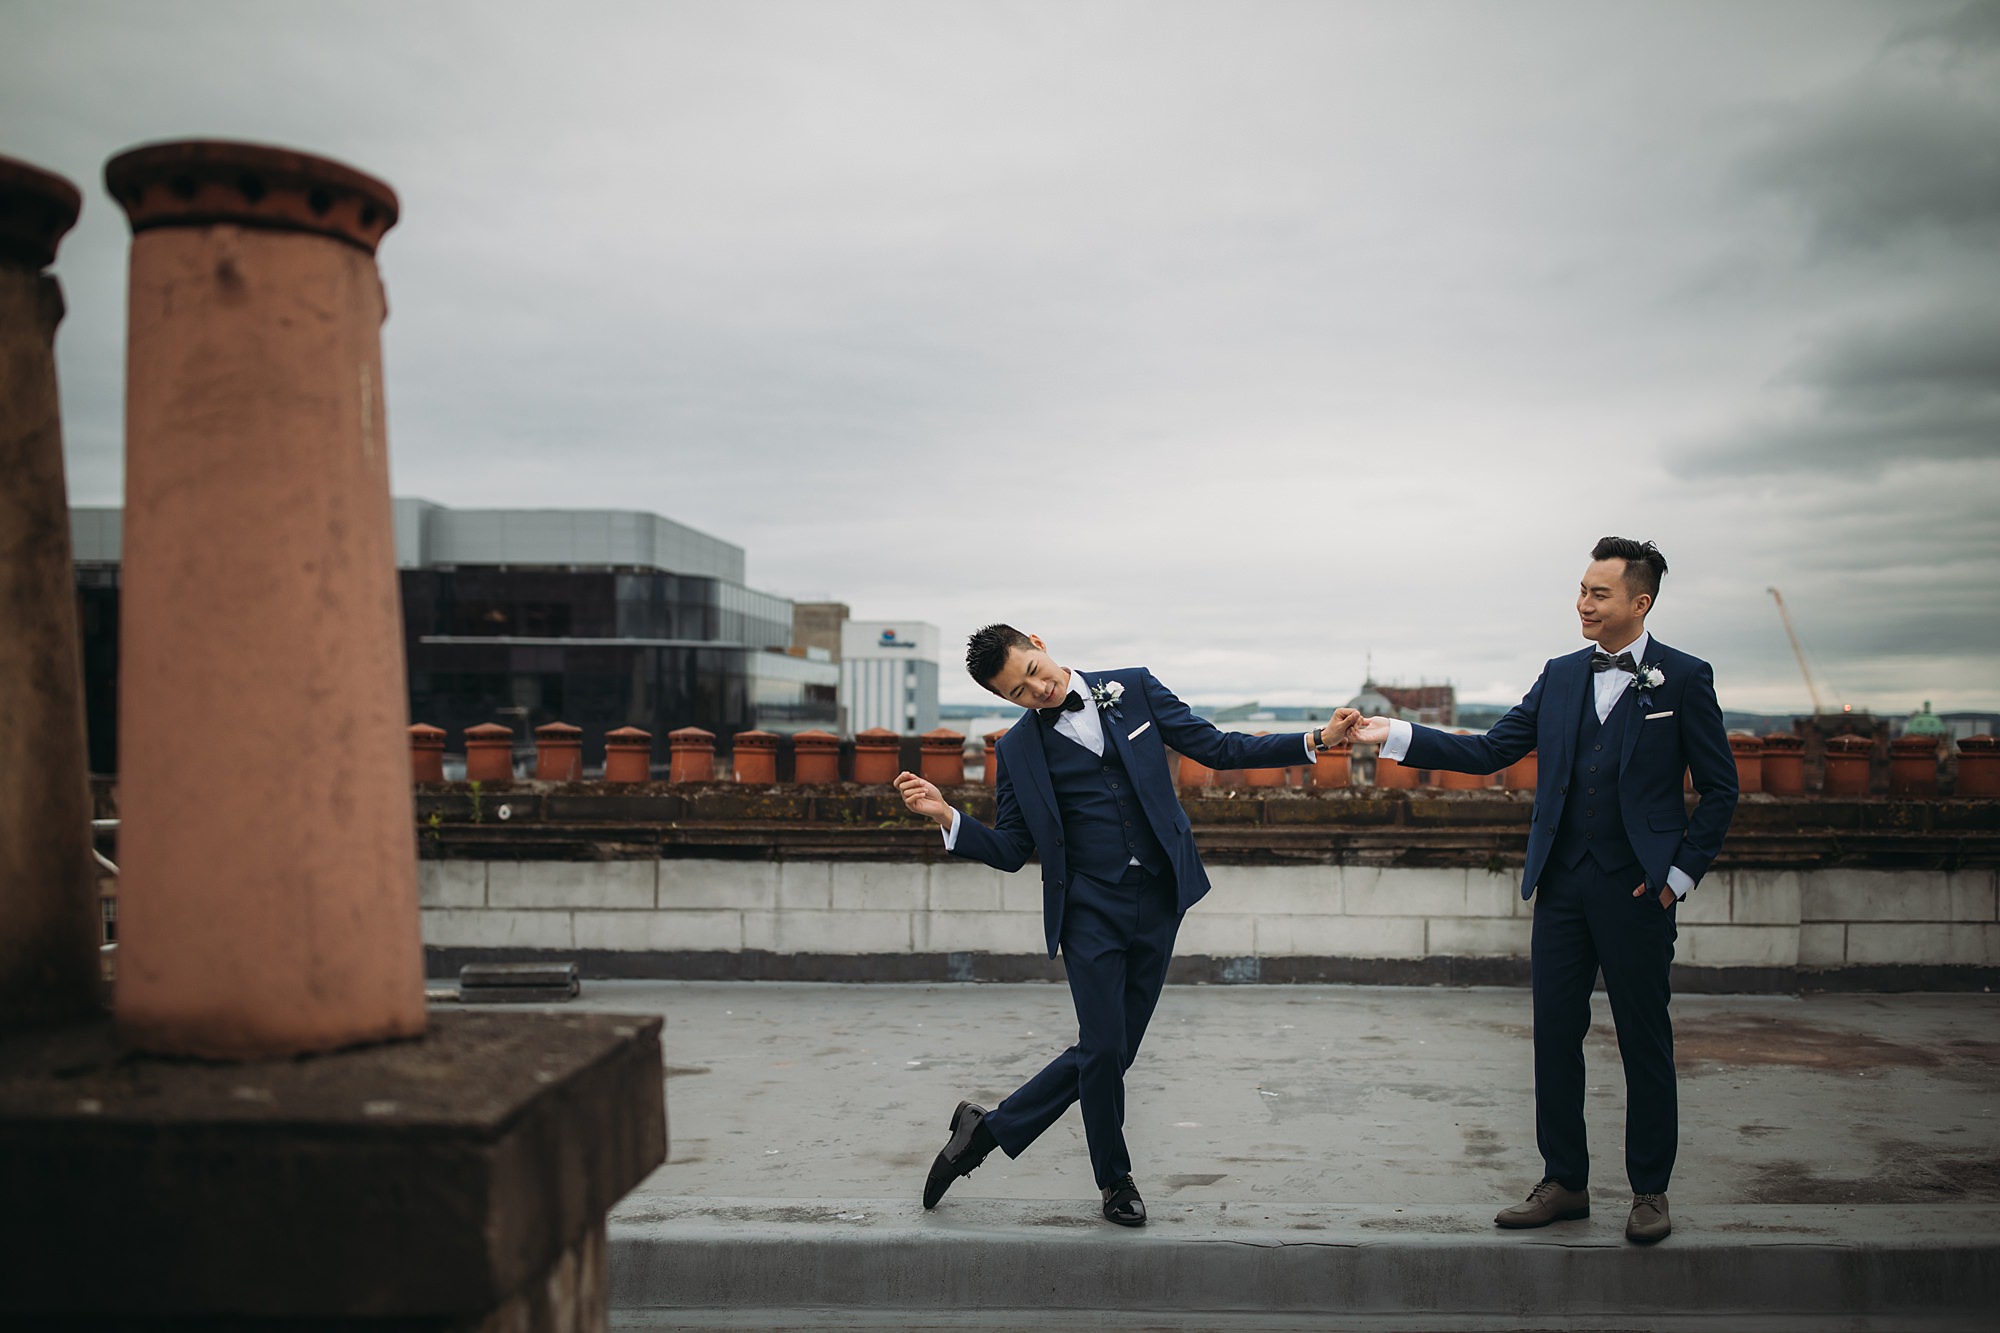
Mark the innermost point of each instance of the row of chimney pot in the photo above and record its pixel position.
(1774, 764)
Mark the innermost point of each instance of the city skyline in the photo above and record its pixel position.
(1338, 329)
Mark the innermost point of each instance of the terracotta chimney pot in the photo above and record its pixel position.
(1847, 765)
(49, 925)
(426, 752)
(268, 900)
(943, 757)
(992, 775)
(1748, 751)
(1392, 776)
(816, 758)
(756, 757)
(1332, 768)
(1784, 764)
(1913, 766)
(489, 753)
(1978, 768)
(558, 752)
(628, 755)
(877, 756)
(690, 755)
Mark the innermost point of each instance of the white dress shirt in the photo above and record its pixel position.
(1609, 685)
(1085, 726)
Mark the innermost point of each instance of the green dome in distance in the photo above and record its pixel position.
(1924, 723)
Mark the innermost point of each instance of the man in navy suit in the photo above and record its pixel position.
(1611, 852)
(1084, 785)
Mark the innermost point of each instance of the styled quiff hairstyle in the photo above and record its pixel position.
(1643, 563)
(987, 650)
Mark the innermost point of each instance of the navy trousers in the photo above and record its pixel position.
(1117, 940)
(1586, 919)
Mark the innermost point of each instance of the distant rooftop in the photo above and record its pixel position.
(428, 535)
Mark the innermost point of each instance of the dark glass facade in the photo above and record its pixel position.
(601, 649)
(522, 646)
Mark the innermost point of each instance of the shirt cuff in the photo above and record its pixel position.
(951, 834)
(1679, 881)
(1398, 744)
(1312, 747)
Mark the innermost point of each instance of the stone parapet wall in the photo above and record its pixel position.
(1374, 886)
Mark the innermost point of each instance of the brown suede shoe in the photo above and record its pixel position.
(1547, 1202)
(1649, 1221)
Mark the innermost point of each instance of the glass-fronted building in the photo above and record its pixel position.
(524, 617)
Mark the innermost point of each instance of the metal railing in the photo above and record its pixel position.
(107, 903)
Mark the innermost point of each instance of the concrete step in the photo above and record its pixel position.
(1008, 1264)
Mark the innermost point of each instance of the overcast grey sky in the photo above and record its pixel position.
(1239, 339)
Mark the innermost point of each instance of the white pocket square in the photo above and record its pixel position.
(1651, 716)
(1134, 735)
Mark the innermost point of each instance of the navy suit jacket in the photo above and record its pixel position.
(1139, 727)
(1675, 728)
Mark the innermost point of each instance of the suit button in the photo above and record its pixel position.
(1588, 836)
(1058, 842)
(1593, 768)
(1562, 791)
(1597, 747)
(1114, 786)
(1107, 768)
(1593, 791)
(1590, 814)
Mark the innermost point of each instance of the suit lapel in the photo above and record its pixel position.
(1114, 735)
(1574, 680)
(1654, 651)
(1033, 764)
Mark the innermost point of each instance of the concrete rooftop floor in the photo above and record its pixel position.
(1306, 1095)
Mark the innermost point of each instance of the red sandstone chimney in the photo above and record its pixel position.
(268, 898)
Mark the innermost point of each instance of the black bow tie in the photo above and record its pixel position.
(1603, 661)
(1072, 703)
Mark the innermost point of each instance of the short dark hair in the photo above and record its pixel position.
(986, 652)
(1643, 563)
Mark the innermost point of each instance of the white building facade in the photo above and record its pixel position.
(889, 675)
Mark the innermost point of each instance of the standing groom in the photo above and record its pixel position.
(1084, 785)
(1611, 852)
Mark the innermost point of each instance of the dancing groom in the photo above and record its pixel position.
(1084, 785)
(1611, 852)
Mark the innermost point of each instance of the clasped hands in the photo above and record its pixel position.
(923, 798)
(1375, 730)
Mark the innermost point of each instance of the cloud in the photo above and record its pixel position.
(1975, 29)
(1867, 397)
(1909, 147)
(1894, 173)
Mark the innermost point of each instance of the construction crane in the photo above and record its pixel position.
(1818, 707)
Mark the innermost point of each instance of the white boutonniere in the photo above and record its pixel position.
(1648, 678)
(1107, 694)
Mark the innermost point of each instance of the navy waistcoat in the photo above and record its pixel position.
(1104, 827)
(1592, 823)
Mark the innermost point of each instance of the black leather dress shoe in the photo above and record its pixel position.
(1123, 1205)
(962, 1152)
